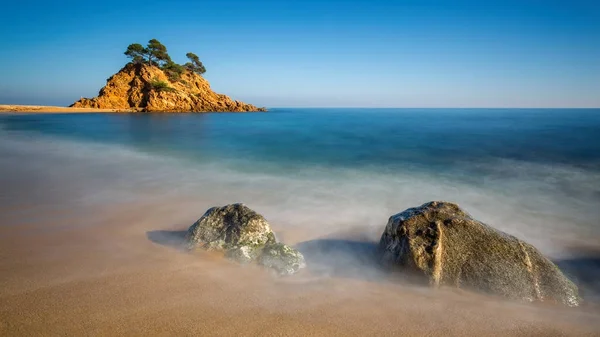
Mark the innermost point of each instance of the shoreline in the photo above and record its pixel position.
(16, 108)
(95, 208)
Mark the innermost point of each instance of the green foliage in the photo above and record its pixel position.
(195, 65)
(159, 85)
(155, 53)
(193, 57)
(173, 70)
(136, 52)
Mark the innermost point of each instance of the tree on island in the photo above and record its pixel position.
(158, 52)
(136, 52)
(155, 53)
(195, 66)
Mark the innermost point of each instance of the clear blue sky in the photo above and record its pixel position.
(317, 53)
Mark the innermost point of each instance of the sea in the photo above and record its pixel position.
(533, 173)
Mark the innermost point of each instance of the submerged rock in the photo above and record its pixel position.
(245, 236)
(448, 247)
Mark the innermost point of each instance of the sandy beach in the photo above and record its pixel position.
(123, 275)
(6, 108)
(83, 253)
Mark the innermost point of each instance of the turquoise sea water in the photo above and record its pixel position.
(534, 173)
(425, 139)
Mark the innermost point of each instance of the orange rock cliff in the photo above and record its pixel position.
(142, 87)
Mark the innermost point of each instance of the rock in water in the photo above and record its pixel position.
(446, 245)
(244, 236)
(282, 258)
(230, 228)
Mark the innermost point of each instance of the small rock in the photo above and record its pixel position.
(244, 236)
(228, 228)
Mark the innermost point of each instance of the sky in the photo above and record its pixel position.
(308, 53)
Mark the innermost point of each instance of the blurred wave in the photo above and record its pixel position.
(317, 174)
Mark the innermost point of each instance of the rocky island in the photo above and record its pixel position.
(152, 82)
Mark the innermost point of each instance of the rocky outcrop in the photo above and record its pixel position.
(142, 87)
(444, 244)
(245, 236)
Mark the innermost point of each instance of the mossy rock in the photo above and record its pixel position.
(282, 258)
(445, 245)
(244, 236)
(243, 254)
(229, 228)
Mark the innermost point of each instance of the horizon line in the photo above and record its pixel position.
(371, 107)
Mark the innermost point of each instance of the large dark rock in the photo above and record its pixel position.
(443, 243)
(245, 236)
